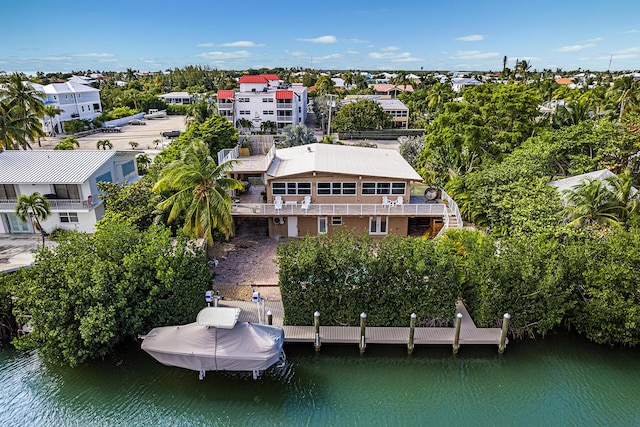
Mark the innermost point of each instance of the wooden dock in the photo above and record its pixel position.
(469, 333)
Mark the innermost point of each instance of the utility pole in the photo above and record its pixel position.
(330, 102)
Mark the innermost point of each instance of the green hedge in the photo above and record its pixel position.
(177, 109)
(345, 275)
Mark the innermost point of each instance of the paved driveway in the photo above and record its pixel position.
(17, 250)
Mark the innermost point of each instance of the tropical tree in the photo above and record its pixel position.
(294, 135)
(104, 144)
(364, 114)
(69, 143)
(324, 85)
(36, 206)
(624, 194)
(29, 106)
(200, 190)
(11, 130)
(133, 145)
(590, 203)
(625, 93)
(268, 126)
(50, 112)
(200, 111)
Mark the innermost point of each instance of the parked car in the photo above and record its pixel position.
(137, 122)
(111, 128)
(171, 134)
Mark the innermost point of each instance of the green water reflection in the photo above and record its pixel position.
(557, 381)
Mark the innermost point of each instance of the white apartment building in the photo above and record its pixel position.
(67, 178)
(77, 101)
(264, 98)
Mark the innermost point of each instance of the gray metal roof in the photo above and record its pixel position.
(51, 166)
(341, 159)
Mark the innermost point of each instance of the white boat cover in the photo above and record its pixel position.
(246, 347)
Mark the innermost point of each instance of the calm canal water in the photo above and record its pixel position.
(556, 381)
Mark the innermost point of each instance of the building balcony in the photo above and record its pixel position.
(56, 205)
(319, 209)
(284, 105)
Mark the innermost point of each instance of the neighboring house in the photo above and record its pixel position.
(177, 98)
(392, 90)
(264, 98)
(458, 83)
(69, 181)
(396, 109)
(83, 80)
(77, 101)
(569, 184)
(319, 189)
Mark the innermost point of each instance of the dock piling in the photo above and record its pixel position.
(269, 318)
(316, 329)
(412, 328)
(456, 336)
(363, 327)
(503, 334)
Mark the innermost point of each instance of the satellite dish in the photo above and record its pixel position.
(431, 193)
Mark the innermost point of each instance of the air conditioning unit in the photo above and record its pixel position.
(278, 220)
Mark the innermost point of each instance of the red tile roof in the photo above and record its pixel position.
(253, 79)
(270, 77)
(564, 81)
(284, 94)
(225, 94)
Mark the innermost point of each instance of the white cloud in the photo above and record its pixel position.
(576, 47)
(352, 52)
(473, 54)
(321, 39)
(631, 31)
(394, 57)
(356, 41)
(298, 54)
(55, 58)
(327, 57)
(471, 38)
(618, 56)
(94, 55)
(595, 39)
(242, 43)
(205, 44)
(225, 55)
(628, 50)
(389, 48)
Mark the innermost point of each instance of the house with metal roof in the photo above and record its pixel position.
(68, 179)
(263, 98)
(319, 189)
(177, 98)
(75, 100)
(393, 106)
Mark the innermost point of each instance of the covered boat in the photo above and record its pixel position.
(217, 342)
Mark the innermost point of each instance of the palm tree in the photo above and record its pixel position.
(51, 111)
(200, 190)
(296, 135)
(29, 106)
(69, 143)
(35, 206)
(199, 112)
(625, 93)
(143, 161)
(104, 144)
(133, 145)
(268, 126)
(624, 194)
(590, 203)
(11, 130)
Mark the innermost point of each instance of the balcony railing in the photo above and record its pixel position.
(55, 204)
(290, 209)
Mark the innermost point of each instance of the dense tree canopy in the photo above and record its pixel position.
(364, 114)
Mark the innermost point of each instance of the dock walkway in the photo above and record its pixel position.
(469, 333)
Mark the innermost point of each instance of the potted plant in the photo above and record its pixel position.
(245, 148)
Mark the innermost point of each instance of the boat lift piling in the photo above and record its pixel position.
(412, 330)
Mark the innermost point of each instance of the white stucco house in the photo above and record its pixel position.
(458, 83)
(264, 98)
(77, 101)
(177, 98)
(68, 179)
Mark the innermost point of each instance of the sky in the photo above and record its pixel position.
(152, 35)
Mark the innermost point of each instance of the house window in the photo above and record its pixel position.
(336, 188)
(128, 168)
(322, 225)
(7, 192)
(243, 99)
(105, 177)
(291, 188)
(267, 99)
(267, 112)
(68, 217)
(378, 225)
(66, 191)
(383, 188)
(336, 220)
(245, 112)
(83, 108)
